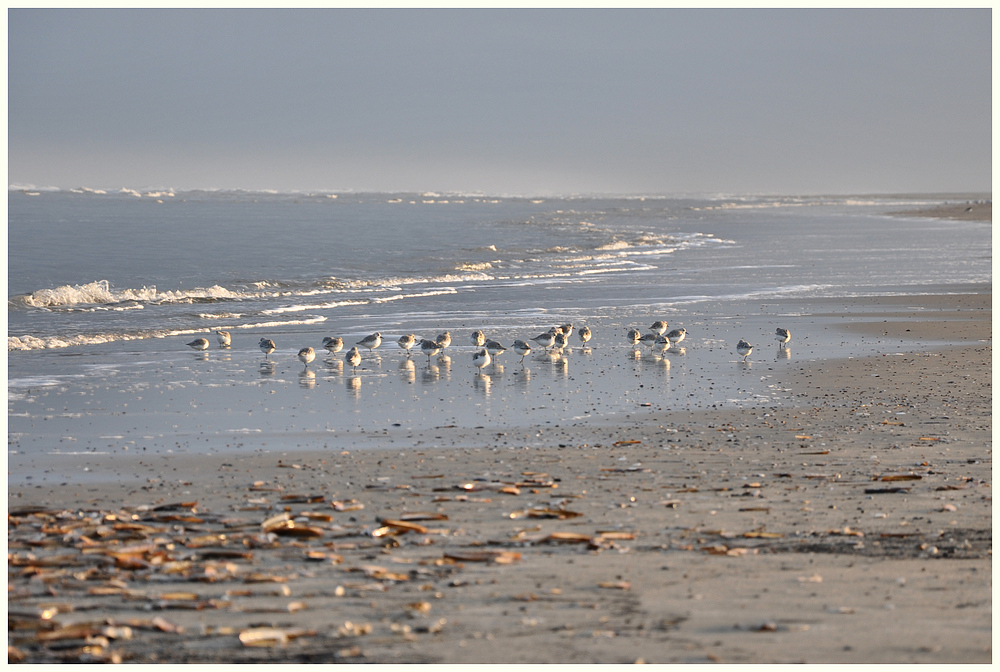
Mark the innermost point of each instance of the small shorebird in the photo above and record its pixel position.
(521, 348)
(545, 340)
(632, 336)
(407, 341)
(225, 340)
(584, 334)
(266, 346)
(559, 341)
(567, 328)
(649, 340)
(676, 336)
(481, 359)
(658, 327)
(198, 344)
(494, 348)
(744, 349)
(353, 357)
(783, 335)
(662, 343)
(371, 341)
(307, 355)
(333, 344)
(429, 348)
(444, 339)
(478, 338)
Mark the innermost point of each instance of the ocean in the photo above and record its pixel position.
(106, 287)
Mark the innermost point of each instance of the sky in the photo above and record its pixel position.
(519, 101)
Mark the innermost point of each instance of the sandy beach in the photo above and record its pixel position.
(977, 211)
(853, 527)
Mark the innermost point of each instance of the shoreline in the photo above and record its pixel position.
(972, 211)
(767, 534)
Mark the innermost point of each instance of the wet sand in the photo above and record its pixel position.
(854, 526)
(979, 211)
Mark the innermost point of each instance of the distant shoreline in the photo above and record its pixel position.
(979, 211)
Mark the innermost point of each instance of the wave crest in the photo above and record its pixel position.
(101, 293)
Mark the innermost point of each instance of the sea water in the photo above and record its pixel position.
(105, 289)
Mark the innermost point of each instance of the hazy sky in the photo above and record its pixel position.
(502, 101)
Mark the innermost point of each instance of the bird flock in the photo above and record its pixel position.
(556, 339)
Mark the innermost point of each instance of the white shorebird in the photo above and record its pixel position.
(649, 340)
(521, 348)
(559, 341)
(478, 338)
(676, 336)
(658, 327)
(494, 348)
(353, 357)
(429, 348)
(333, 344)
(632, 336)
(371, 341)
(783, 335)
(584, 334)
(198, 344)
(481, 359)
(662, 343)
(744, 349)
(545, 340)
(407, 341)
(266, 346)
(307, 355)
(567, 328)
(444, 339)
(224, 338)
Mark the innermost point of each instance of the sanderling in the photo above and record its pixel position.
(481, 359)
(307, 355)
(584, 334)
(429, 348)
(266, 346)
(677, 335)
(783, 335)
(658, 327)
(225, 340)
(744, 349)
(407, 341)
(353, 357)
(371, 342)
(559, 341)
(494, 348)
(333, 343)
(632, 336)
(545, 340)
(567, 328)
(662, 343)
(649, 340)
(521, 348)
(444, 339)
(198, 344)
(478, 338)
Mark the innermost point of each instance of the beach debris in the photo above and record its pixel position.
(545, 512)
(616, 585)
(627, 442)
(846, 532)
(271, 637)
(347, 505)
(498, 557)
(478, 486)
(421, 515)
(900, 477)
